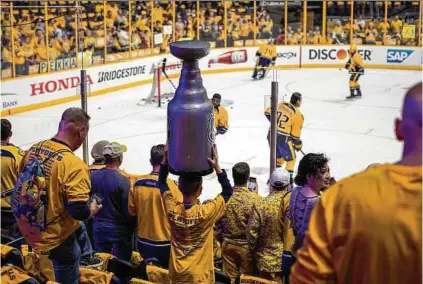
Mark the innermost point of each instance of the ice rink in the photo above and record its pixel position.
(353, 134)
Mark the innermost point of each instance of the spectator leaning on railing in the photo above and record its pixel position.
(368, 228)
(191, 256)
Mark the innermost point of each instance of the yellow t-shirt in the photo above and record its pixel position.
(11, 157)
(366, 229)
(6, 55)
(191, 254)
(396, 26)
(145, 202)
(67, 180)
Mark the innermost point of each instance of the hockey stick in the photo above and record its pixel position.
(302, 152)
(164, 72)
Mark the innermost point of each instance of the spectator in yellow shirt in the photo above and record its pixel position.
(146, 203)
(40, 51)
(11, 157)
(317, 38)
(371, 34)
(367, 227)
(191, 253)
(264, 231)
(396, 25)
(67, 185)
(89, 40)
(6, 54)
(236, 255)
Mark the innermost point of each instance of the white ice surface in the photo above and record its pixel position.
(353, 134)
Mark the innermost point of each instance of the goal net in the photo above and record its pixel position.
(162, 88)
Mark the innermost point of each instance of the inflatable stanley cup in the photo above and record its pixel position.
(190, 123)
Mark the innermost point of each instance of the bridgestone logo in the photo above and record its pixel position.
(120, 73)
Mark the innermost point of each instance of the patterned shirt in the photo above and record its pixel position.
(238, 211)
(301, 208)
(264, 233)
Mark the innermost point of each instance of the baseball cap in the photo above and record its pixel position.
(97, 150)
(114, 150)
(279, 178)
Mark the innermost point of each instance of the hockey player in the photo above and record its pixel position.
(356, 68)
(220, 115)
(289, 124)
(266, 55)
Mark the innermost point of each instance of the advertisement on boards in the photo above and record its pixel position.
(398, 55)
(335, 54)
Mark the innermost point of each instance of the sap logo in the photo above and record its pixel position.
(398, 55)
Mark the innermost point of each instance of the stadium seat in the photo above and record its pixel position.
(244, 279)
(221, 277)
(105, 257)
(11, 255)
(122, 268)
(157, 274)
(89, 276)
(12, 274)
(139, 281)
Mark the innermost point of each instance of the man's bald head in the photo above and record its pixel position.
(73, 127)
(409, 127)
(412, 107)
(75, 115)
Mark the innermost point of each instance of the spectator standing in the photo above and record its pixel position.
(146, 203)
(236, 255)
(368, 228)
(98, 156)
(297, 204)
(191, 253)
(11, 157)
(68, 185)
(113, 226)
(312, 177)
(264, 231)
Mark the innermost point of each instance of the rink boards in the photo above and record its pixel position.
(38, 91)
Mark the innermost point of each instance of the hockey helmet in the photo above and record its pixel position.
(353, 48)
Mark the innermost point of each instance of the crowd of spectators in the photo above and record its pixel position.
(238, 235)
(154, 25)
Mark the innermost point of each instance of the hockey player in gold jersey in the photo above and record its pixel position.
(11, 157)
(289, 124)
(266, 56)
(367, 228)
(221, 120)
(355, 66)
